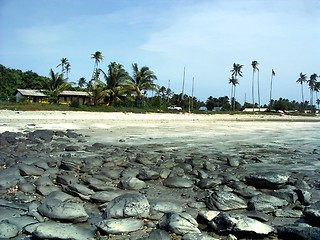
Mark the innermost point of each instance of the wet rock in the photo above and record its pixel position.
(71, 163)
(288, 213)
(238, 224)
(205, 216)
(312, 214)
(46, 189)
(128, 205)
(208, 183)
(120, 226)
(148, 174)
(54, 230)
(304, 196)
(71, 148)
(130, 172)
(287, 194)
(27, 170)
(298, 232)
(197, 236)
(99, 185)
(45, 135)
(224, 201)
(179, 223)
(233, 162)
(105, 196)
(164, 206)
(27, 187)
(79, 190)
(63, 211)
(266, 203)
(8, 230)
(267, 180)
(158, 234)
(67, 178)
(178, 182)
(62, 196)
(132, 183)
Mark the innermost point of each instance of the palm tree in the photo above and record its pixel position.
(231, 80)
(97, 56)
(68, 68)
(237, 70)
(272, 75)
(317, 89)
(234, 81)
(54, 85)
(63, 63)
(318, 103)
(117, 82)
(82, 82)
(301, 80)
(142, 81)
(254, 65)
(312, 84)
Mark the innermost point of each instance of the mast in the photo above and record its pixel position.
(183, 80)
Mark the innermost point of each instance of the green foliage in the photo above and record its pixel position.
(12, 79)
(75, 103)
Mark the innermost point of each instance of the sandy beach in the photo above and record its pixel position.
(177, 158)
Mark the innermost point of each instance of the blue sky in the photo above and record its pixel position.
(204, 36)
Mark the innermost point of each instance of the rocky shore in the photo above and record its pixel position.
(65, 184)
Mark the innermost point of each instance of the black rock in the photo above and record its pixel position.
(298, 232)
(312, 214)
(267, 180)
(128, 205)
(224, 201)
(63, 211)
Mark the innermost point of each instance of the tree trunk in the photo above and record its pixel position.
(252, 90)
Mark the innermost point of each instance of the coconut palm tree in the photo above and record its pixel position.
(312, 84)
(302, 78)
(236, 70)
(63, 63)
(318, 103)
(54, 85)
(272, 75)
(117, 84)
(142, 80)
(254, 65)
(233, 81)
(317, 89)
(67, 69)
(82, 82)
(97, 56)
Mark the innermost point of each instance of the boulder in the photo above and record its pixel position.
(312, 214)
(298, 232)
(55, 230)
(179, 223)
(224, 201)
(128, 205)
(266, 203)
(268, 180)
(178, 182)
(240, 225)
(158, 234)
(63, 211)
(132, 183)
(120, 226)
(8, 230)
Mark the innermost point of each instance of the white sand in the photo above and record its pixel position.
(175, 127)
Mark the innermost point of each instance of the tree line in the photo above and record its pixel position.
(114, 86)
(281, 104)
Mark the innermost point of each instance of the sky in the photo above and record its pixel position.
(204, 37)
